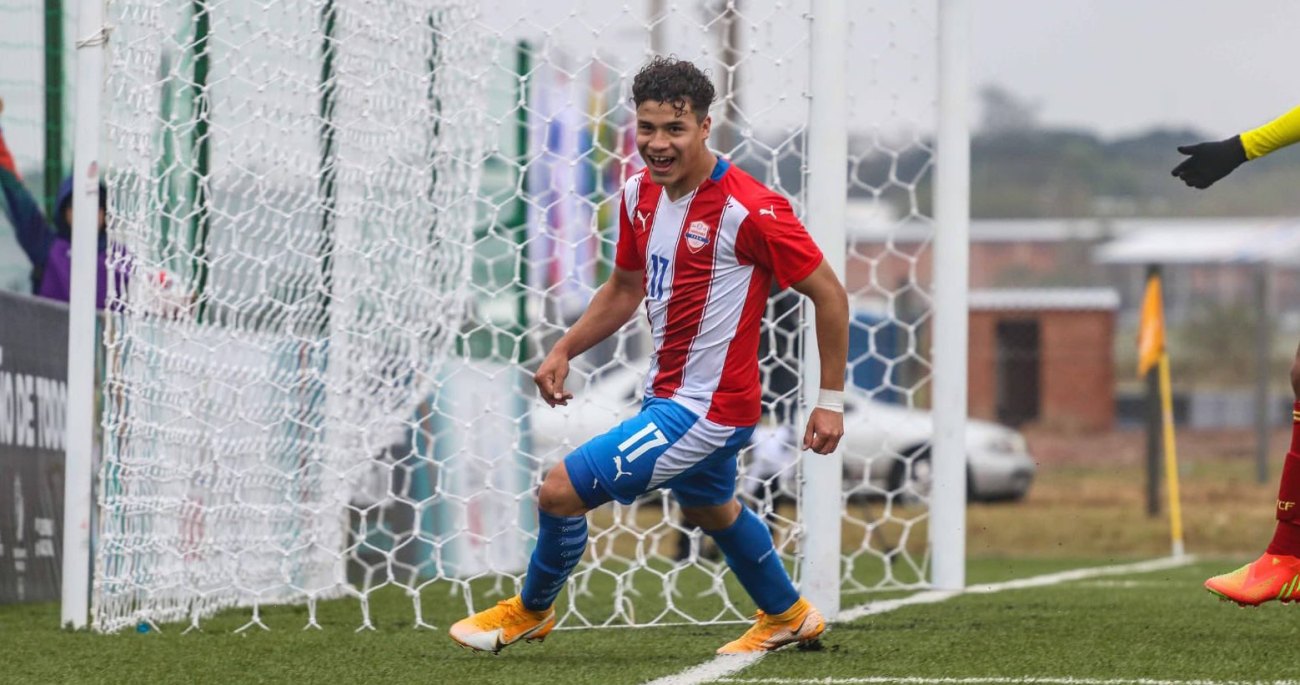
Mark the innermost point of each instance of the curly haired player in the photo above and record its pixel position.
(700, 243)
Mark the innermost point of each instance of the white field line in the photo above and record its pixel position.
(994, 680)
(1119, 584)
(720, 667)
(933, 596)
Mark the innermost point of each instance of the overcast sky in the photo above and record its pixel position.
(1120, 66)
(1114, 66)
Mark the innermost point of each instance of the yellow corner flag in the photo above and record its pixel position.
(1152, 353)
(1151, 327)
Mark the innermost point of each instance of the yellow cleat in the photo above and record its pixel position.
(1270, 577)
(800, 623)
(503, 625)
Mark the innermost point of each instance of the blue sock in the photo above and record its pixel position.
(560, 543)
(753, 558)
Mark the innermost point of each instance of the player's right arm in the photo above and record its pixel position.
(613, 304)
(22, 211)
(1209, 162)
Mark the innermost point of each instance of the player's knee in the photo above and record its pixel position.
(1295, 374)
(557, 497)
(712, 518)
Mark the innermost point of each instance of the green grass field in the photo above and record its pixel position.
(1158, 625)
(1087, 506)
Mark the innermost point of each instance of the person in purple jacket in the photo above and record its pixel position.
(56, 277)
(48, 248)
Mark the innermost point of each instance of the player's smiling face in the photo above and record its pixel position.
(673, 144)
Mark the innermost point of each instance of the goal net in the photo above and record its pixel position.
(345, 233)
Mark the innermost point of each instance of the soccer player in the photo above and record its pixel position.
(1276, 574)
(699, 242)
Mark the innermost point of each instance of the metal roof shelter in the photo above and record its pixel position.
(1066, 299)
(1261, 243)
(1218, 241)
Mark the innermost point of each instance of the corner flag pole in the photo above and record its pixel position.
(1171, 458)
(1152, 351)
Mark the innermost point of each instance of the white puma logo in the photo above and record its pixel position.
(769, 211)
(618, 467)
(642, 216)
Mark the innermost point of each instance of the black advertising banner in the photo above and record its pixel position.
(33, 401)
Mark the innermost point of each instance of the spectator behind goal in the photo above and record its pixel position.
(49, 249)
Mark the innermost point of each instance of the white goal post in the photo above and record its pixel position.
(342, 234)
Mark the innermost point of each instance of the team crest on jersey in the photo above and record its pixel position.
(697, 235)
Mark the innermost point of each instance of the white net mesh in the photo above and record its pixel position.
(299, 407)
(294, 210)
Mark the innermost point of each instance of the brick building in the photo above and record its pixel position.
(1043, 356)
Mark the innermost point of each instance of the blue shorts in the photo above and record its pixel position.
(664, 446)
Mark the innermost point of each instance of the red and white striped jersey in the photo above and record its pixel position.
(709, 260)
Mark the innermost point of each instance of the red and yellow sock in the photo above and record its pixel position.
(1286, 538)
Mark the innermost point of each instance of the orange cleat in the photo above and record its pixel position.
(1270, 577)
(800, 623)
(506, 623)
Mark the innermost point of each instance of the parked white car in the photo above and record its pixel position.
(886, 446)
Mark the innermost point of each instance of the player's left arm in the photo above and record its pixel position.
(831, 305)
(1208, 162)
(1278, 133)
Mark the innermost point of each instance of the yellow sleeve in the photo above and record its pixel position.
(1277, 133)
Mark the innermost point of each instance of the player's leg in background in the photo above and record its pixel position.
(771, 460)
(1286, 537)
(707, 496)
(1276, 574)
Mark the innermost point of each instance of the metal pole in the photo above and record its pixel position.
(951, 268)
(826, 198)
(1263, 347)
(54, 109)
(81, 319)
(519, 214)
(201, 219)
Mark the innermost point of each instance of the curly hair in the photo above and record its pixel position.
(676, 82)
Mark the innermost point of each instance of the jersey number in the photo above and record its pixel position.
(655, 284)
(656, 438)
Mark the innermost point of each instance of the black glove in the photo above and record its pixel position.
(1209, 162)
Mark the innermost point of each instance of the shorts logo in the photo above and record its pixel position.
(697, 235)
(618, 467)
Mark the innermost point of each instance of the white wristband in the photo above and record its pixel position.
(831, 400)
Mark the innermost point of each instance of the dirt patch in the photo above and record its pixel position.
(1129, 446)
(1089, 498)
